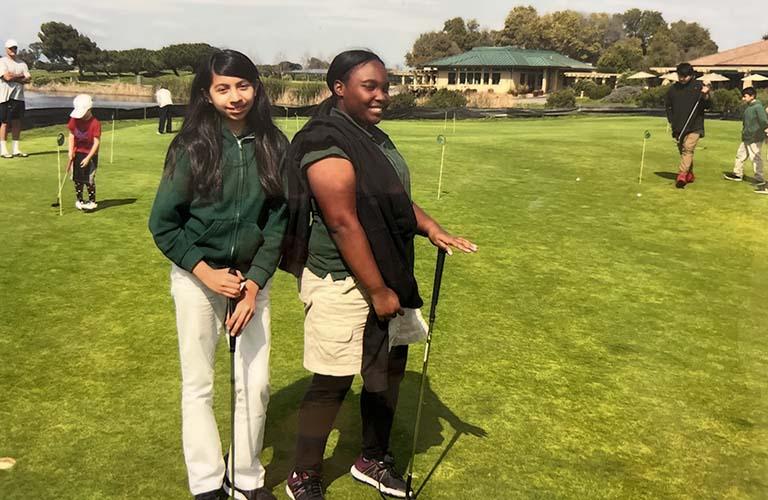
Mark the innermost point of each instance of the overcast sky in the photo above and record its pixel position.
(272, 30)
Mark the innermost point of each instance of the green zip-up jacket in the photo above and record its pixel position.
(241, 229)
(755, 123)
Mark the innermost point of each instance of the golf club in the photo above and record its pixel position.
(425, 365)
(231, 303)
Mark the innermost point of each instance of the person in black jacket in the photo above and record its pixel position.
(349, 240)
(685, 103)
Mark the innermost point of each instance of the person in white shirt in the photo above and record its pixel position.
(14, 73)
(163, 98)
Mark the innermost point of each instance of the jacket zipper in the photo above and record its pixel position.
(238, 196)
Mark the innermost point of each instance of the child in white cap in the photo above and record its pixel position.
(84, 140)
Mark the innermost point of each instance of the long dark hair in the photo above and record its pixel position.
(200, 135)
(340, 69)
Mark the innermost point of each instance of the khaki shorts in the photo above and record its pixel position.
(335, 315)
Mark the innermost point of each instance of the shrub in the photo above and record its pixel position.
(403, 101)
(445, 98)
(622, 95)
(726, 101)
(274, 88)
(40, 80)
(600, 91)
(586, 86)
(310, 92)
(652, 97)
(179, 86)
(564, 98)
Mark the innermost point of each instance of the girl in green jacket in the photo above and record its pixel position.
(219, 216)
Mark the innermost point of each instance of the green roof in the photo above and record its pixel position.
(510, 56)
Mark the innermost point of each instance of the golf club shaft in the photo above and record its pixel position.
(425, 364)
(231, 303)
(688, 121)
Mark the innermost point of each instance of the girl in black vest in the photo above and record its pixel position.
(350, 242)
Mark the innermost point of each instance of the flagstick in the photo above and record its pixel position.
(440, 178)
(112, 142)
(642, 162)
(58, 172)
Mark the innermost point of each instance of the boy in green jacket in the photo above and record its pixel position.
(752, 138)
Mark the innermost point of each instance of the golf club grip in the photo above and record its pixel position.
(436, 286)
(231, 304)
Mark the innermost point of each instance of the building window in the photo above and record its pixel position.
(486, 77)
(462, 77)
(451, 78)
(478, 77)
(496, 78)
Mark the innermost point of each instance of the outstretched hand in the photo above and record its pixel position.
(444, 240)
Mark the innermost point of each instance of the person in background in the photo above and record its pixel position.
(14, 74)
(685, 103)
(753, 127)
(165, 102)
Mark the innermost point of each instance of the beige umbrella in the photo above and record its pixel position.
(713, 77)
(642, 75)
(669, 76)
(755, 78)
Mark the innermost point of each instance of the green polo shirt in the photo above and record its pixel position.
(324, 258)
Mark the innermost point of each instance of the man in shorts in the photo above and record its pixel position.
(14, 73)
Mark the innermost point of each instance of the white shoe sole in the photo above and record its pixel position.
(372, 482)
(238, 495)
(289, 492)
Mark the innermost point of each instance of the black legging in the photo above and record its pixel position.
(323, 400)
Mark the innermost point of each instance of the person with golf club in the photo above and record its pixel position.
(685, 104)
(350, 243)
(219, 217)
(84, 141)
(14, 74)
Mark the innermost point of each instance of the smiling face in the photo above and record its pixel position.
(233, 97)
(365, 95)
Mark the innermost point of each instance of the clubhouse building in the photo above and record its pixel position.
(498, 70)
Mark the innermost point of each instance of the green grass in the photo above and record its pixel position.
(609, 345)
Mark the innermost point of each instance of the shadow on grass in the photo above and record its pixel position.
(45, 153)
(667, 175)
(282, 427)
(104, 204)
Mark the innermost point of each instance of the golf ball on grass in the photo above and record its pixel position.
(7, 463)
(578, 179)
(639, 195)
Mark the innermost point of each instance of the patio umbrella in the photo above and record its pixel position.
(642, 75)
(755, 78)
(669, 76)
(713, 77)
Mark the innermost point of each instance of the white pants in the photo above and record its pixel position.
(751, 152)
(200, 314)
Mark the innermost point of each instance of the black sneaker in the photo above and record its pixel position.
(761, 190)
(305, 485)
(257, 494)
(680, 184)
(730, 176)
(760, 182)
(219, 494)
(381, 475)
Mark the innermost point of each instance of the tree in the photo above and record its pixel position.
(135, 61)
(623, 56)
(662, 51)
(467, 34)
(184, 56)
(62, 43)
(571, 34)
(692, 39)
(643, 25)
(27, 56)
(315, 63)
(431, 46)
(522, 28)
